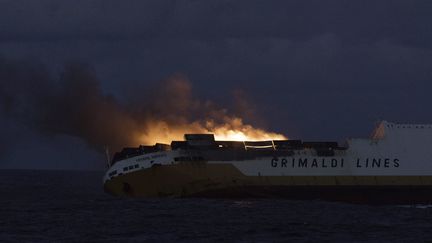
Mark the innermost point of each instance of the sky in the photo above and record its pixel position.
(315, 70)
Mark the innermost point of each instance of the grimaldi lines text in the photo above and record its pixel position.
(392, 166)
(333, 163)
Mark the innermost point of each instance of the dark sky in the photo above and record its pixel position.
(311, 69)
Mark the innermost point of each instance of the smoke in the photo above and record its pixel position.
(74, 104)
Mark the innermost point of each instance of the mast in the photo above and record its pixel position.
(107, 156)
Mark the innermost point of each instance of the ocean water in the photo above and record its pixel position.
(65, 206)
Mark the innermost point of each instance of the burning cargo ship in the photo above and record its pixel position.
(394, 165)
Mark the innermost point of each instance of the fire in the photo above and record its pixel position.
(250, 135)
(232, 129)
(179, 112)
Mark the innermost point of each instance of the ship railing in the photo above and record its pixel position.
(259, 145)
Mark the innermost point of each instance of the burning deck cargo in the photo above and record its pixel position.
(393, 166)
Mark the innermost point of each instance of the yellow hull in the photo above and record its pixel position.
(201, 179)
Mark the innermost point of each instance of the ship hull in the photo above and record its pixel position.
(200, 179)
(392, 166)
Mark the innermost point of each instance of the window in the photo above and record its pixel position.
(125, 169)
(131, 167)
(136, 166)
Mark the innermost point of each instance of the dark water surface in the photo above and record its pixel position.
(64, 206)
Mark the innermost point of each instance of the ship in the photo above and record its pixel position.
(393, 165)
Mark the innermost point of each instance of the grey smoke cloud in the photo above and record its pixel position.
(75, 105)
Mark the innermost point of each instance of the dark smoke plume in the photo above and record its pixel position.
(74, 104)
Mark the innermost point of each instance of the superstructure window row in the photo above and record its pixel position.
(131, 167)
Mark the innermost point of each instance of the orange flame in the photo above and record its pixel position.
(233, 129)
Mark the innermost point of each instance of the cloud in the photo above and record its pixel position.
(400, 22)
(313, 68)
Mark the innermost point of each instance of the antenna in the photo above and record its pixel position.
(107, 156)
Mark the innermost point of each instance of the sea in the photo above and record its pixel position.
(71, 206)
